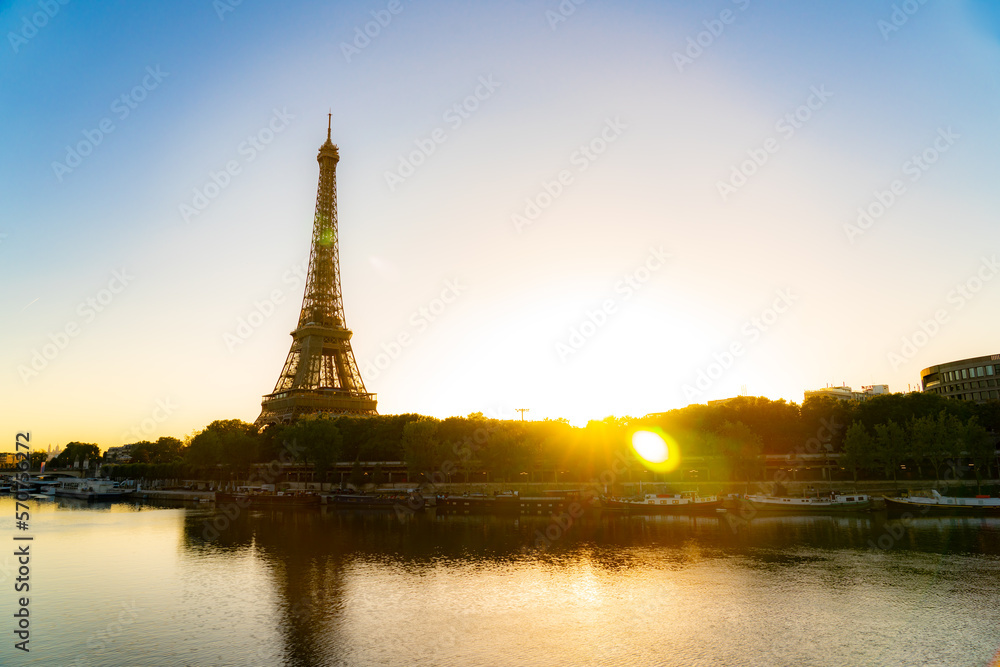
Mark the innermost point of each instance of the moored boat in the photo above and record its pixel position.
(41, 484)
(572, 501)
(938, 504)
(379, 501)
(258, 499)
(91, 490)
(835, 502)
(506, 503)
(669, 503)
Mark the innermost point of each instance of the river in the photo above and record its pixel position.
(129, 584)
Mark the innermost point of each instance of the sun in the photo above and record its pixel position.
(656, 450)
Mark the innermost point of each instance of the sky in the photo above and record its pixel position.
(581, 208)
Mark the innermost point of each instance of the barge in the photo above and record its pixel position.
(835, 502)
(938, 504)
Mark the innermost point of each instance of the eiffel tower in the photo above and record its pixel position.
(320, 374)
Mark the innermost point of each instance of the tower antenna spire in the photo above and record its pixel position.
(329, 119)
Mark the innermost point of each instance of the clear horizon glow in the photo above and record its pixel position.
(710, 229)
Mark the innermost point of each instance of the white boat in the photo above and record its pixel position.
(938, 504)
(42, 484)
(91, 489)
(666, 503)
(835, 502)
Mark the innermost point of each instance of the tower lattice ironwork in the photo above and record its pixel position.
(320, 373)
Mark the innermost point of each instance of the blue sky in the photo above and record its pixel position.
(698, 160)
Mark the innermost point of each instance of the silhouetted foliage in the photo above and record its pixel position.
(37, 458)
(877, 437)
(164, 450)
(230, 442)
(76, 452)
(319, 441)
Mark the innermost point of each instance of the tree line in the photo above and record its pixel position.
(874, 439)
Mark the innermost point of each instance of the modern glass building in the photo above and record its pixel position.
(976, 379)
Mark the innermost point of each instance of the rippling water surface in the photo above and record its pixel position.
(130, 584)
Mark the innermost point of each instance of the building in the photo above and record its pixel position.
(845, 393)
(870, 390)
(976, 379)
(121, 454)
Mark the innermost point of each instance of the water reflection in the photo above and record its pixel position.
(320, 587)
(340, 576)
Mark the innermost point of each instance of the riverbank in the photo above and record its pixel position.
(870, 487)
(177, 496)
(200, 491)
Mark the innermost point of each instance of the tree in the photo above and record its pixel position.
(320, 441)
(953, 444)
(980, 449)
(858, 450)
(923, 439)
(168, 450)
(824, 417)
(421, 447)
(358, 479)
(890, 447)
(141, 452)
(227, 441)
(76, 451)
(38, 457)
(934, 439)
(989, 415)
(505, 455)
(742, 447)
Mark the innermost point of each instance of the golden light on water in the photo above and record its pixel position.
(656, 450)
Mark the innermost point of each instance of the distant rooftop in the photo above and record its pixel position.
(845, 393)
